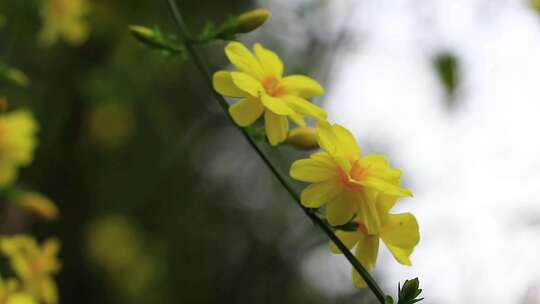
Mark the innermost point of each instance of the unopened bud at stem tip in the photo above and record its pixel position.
(252, 20)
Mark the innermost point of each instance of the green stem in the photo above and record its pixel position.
(372, 284)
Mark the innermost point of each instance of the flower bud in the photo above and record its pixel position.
(38, 205)
(410, 291)
(153, 38)
(144, 34)
(303, 138)
(252, 20)
(17, 77)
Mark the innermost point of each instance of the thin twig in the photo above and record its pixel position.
(372, 284)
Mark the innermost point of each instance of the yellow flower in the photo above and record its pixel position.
(132, 269)
(399, 232)
(64, 19)
(10, 293)
(109, 231)
(343, 180)
(34, 264)
(17, 143)
(38, 205)
(263, 89)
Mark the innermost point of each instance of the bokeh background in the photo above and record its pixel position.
(162, 200)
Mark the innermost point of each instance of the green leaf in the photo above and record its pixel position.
(388, 300)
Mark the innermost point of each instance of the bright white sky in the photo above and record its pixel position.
(475, 171)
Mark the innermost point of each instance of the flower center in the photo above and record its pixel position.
(272, 86)
(356, 173)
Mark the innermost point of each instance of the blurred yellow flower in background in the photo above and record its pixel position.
(17, 142)
(64, 19)
(38, 205)
(343, 180)
(130, 266)
(264, 90)
(10, 293)
(399, 232)
(112, 230)
(111, 124)
(35, 265)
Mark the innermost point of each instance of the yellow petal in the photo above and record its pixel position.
(312, 171)
(303, 106)
(348, 147)
(368, 212)
(276, 126)
(376, 158)
(327, 139)
(244, 60)
(315, 195)
(367, 250)
(378, 166)
(224, 85)
(246, 111)
(270, 61)
(8, 173)
(366, 253)
(298, 119)
(324, 157)
(21, 298)
(384, 186)
(247, 83)
(349, 239)
(302, 86)
(49, 291)
(383, 203)
(401, 235)
(341, 209)
(343, 163)
(276, 105)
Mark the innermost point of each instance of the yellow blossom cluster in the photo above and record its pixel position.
(34, 266)
(133, 269)
(264, 91)
(17, 142)
(351, 188)
(64, 19)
